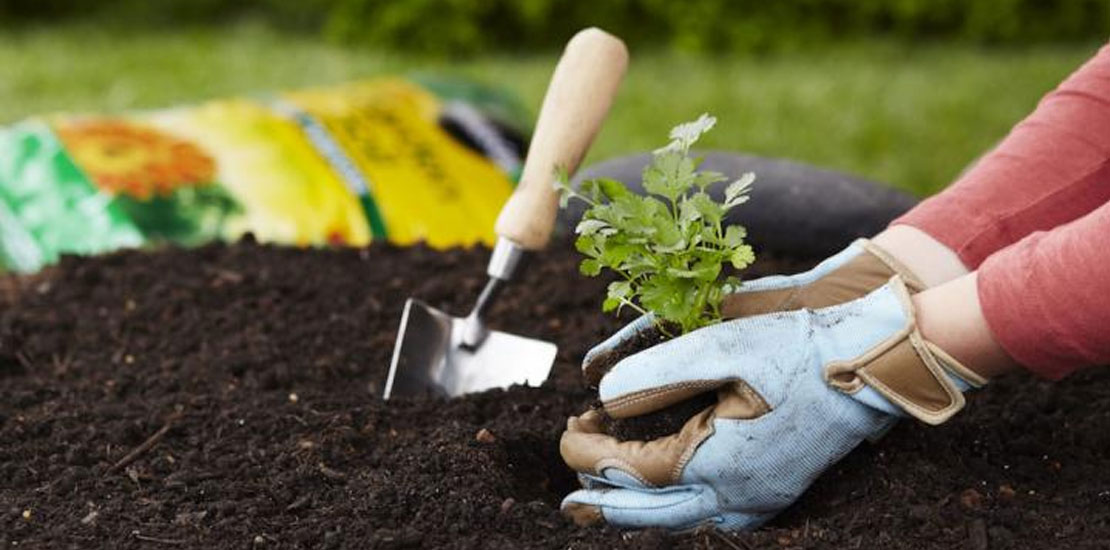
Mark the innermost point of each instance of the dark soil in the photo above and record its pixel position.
(665, 421)
(227, 397)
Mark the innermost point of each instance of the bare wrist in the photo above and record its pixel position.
(951, 317)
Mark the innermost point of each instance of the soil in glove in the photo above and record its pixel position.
(228, 397)
(663, 422)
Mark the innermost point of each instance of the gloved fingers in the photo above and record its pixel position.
(676, 508)
(781, 292)
(828, 265)
(592, 364)
(630, 464)
(766, 352)
(749, 302)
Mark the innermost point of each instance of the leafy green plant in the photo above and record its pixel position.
(668, 247)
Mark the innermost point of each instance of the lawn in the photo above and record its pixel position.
(912, 117)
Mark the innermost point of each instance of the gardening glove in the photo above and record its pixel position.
(796, 391)
(847, 275)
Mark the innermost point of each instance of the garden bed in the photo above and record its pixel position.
(228, 397)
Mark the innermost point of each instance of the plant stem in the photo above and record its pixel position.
(631, 304)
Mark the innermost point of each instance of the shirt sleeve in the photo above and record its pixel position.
(1046, 299)
(1051, 169)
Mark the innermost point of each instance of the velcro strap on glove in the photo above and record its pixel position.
(909, 371)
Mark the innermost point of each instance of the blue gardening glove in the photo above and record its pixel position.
(850, 274)
(796, 392)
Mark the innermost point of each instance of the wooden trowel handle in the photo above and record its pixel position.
(577, 100)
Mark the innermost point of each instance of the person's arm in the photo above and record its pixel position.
(1051, 169)
(1047, 298)
(1043, 303)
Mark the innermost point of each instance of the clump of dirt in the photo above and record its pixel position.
(663, 422)
(601, 363)
(228, 397)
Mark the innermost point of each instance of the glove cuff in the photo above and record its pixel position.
(912, 373)
(913, 283)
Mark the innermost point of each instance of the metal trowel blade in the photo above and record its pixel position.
(429, 357)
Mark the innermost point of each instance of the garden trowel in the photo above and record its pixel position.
(442, 354)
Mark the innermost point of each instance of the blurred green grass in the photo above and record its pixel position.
(912, 117)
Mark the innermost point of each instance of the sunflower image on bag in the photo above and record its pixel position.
(165, 184)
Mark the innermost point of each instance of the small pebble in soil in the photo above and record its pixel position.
(27, 515)
(507, 505)
(970, 499)
(293, 398)
(1006, 493)
(485, 436)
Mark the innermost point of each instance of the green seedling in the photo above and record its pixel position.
(668, 247)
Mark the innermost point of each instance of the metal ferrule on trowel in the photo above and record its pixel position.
(503, 263)
(441, 354)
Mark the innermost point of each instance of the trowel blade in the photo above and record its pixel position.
(429, 358)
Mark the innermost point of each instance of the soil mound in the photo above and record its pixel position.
(227, 397)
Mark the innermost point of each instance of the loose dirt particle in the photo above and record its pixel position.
(485, 436)
(331, 474)
(1006, 493)
(970, 499)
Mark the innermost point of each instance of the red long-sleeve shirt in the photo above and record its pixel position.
(1033, 217)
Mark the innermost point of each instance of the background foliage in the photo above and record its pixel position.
(906, 92)
(474, 26)
(911, 116)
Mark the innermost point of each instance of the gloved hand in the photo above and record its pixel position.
(796, 392)
(847, 275)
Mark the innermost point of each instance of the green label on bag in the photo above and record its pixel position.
(48, 206)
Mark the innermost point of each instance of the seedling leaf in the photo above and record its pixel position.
(667, 248)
